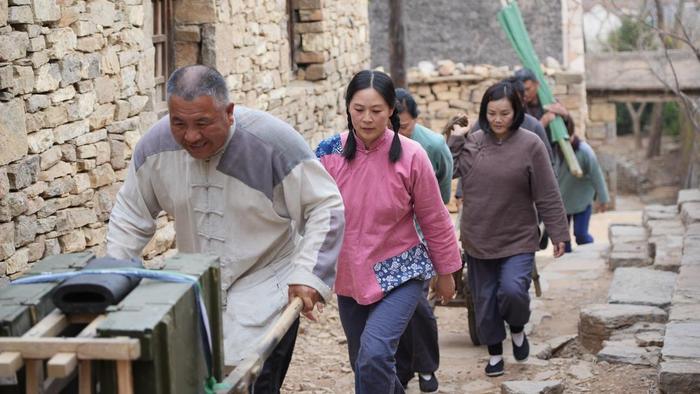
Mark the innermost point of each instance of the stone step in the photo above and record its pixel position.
(623, 233)
(641, 286)
(630, 254)
(668, 252)
(629, 353)
(688, 286)
(679, 377)
(682, 341)
(598, 322)
(532, 387)
(665, 228)
(687, 196)
(659, 212)
(690, 213)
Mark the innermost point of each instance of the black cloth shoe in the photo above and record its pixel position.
(521, 353)
(428, 386)
(494, 370)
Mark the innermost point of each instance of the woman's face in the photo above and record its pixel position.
(369, 114)
(500, 114)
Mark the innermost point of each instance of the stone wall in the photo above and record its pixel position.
(455, 88)
(77, 92)
(468, 31)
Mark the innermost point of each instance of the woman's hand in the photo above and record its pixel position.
(558, 249)
(459, 131)
(445, 288)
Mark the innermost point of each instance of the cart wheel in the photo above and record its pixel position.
(471, 314)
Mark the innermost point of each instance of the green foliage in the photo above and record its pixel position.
(671, 116)
(632, 35)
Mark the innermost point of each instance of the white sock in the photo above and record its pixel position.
(426, 376)
(495, 359)
(518, 338)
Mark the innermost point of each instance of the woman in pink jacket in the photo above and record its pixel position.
(385, 180)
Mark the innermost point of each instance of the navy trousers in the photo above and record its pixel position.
(373, 333)
(275, 367)
(418, 348)
(581, 222)
(500, 290)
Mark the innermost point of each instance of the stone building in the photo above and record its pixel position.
(468, 31)
(81, 81)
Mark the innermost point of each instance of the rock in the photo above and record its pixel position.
(581, 371)
(58, 170)
(45, 225)
(59, 187)
(71, 218)
(687, 289)
(53, 247)
(74, 241)
(102, 12)
(682, 340)
(7, 240)
(679, 377)
(35, 250)
(48, 78)
(13, 131)
(102, 175)
(4, 182)
(477, 387)
(61, 41)
(624, 233)
(69, 131)
(640, 286)
(532, 387)
(163, 240)
(682, 311)
(46, 10)
(18, 262)
(49, 158)
(20, 15)
(40, 141)
(13, 45)
(688, 195)
(95, 236)
(25, 230)
(24, 173)
(91, 138)
(446, 67)
(690, 213)
(650, 338)
(597, 322)
(623, 353)
(629, 254)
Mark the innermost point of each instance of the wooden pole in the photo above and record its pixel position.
(397, 44)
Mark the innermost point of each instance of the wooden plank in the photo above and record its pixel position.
(91, 329)
(10, 362)
(49, 326)
(125, 380)
(61, 365)
(85, 377)
(34, 376)
(85, 348)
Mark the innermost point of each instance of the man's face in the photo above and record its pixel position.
(531, 91)
(201, 126)
(407, 124)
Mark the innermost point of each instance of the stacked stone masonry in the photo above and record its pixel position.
(77, 91)
(447, 89)
(652, 314)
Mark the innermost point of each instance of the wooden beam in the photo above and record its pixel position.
(121, 348)
(50, 326)
(125, 380)
(85, 377)
(10, 362)
(61, 365)
(34, 376)
(91, 329)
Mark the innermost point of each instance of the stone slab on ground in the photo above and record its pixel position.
(532, 387)
(665, 227)
(682, 341)
(659, 212)
(688, 285)
(632, 254)
(684, 311)
(668, 252)
(623, 233)
(690, 213)
(597, 322)
(688, 195)
(626, 353)
(679, 377)
(641, 286)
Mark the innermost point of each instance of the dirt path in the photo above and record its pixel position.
(320, 361)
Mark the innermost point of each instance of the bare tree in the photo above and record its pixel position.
(636, 116)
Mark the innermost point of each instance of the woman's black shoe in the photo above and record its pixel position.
(494, 370)
(522, 352)
(429, 385)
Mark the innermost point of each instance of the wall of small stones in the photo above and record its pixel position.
(77, 92)
(445, 89)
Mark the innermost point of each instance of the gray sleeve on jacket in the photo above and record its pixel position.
(545, 194)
